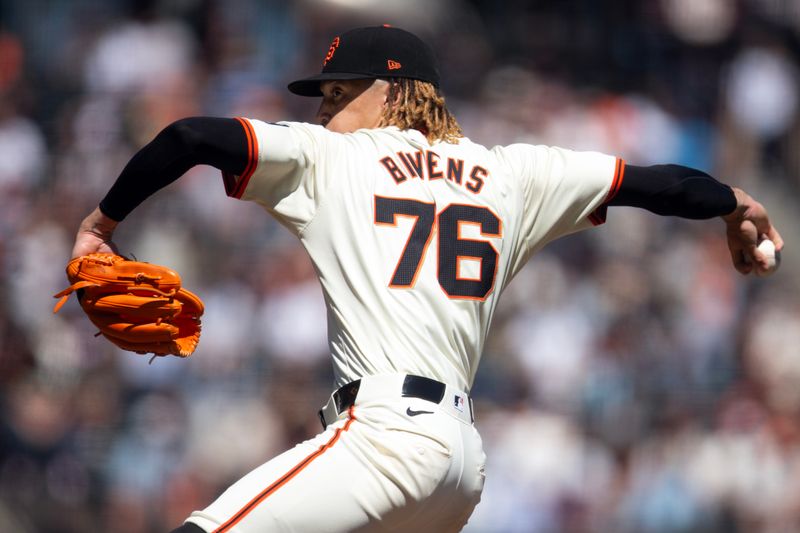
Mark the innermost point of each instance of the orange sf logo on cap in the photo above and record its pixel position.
(331, 51)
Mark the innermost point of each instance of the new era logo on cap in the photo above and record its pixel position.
(372, 52)
(331, 51)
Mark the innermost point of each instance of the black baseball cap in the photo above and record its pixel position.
(373, 52)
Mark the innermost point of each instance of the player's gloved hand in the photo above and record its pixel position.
(140, 307)
(746, 226)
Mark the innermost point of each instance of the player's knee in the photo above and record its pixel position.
(188, 528)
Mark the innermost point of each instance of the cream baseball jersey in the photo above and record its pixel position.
(414, 242)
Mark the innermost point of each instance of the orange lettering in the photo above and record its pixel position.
(331, 51)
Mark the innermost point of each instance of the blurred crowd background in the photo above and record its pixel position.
(633, 383)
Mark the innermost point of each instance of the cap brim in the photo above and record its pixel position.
(310, 86)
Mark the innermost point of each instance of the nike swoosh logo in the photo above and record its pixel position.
(410, 412)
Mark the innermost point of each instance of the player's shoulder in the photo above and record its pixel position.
(314, 130)
(518, 149)
(522, 157)
(312, 137)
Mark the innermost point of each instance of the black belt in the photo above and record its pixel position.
(413, 387)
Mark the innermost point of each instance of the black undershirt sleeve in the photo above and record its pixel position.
(674, 190)
(219, 142)
(222, 143)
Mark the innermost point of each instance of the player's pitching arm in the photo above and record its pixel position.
(689, 193)
(219, 142)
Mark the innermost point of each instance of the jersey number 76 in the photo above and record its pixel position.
(452, 247)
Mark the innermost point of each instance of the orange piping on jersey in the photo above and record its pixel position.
(252, 158)
(230, 180)
(619, 174)
(598, 216)
(244, 511)
(237, 180)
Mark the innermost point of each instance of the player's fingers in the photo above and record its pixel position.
(753, 255)
(742, 265)
(775, 237)
(765, 229)
(740, 261)
(760, 260)
(742, 241)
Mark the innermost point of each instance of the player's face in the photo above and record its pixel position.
(349, 105)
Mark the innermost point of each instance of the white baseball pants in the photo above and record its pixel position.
(386, 463)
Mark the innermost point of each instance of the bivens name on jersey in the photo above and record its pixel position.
(428, 165)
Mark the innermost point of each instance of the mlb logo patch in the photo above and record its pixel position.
(458, 402)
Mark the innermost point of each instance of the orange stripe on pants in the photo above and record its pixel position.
(283, 480)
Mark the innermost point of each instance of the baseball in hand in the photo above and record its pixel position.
(767, 247)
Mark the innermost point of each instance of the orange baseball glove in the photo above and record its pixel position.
(138, 306)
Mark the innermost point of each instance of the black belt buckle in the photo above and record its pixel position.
(345, 396)
(425, 388)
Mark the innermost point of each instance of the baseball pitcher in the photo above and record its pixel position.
(414, 231)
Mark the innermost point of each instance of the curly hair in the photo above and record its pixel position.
(418, 105)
